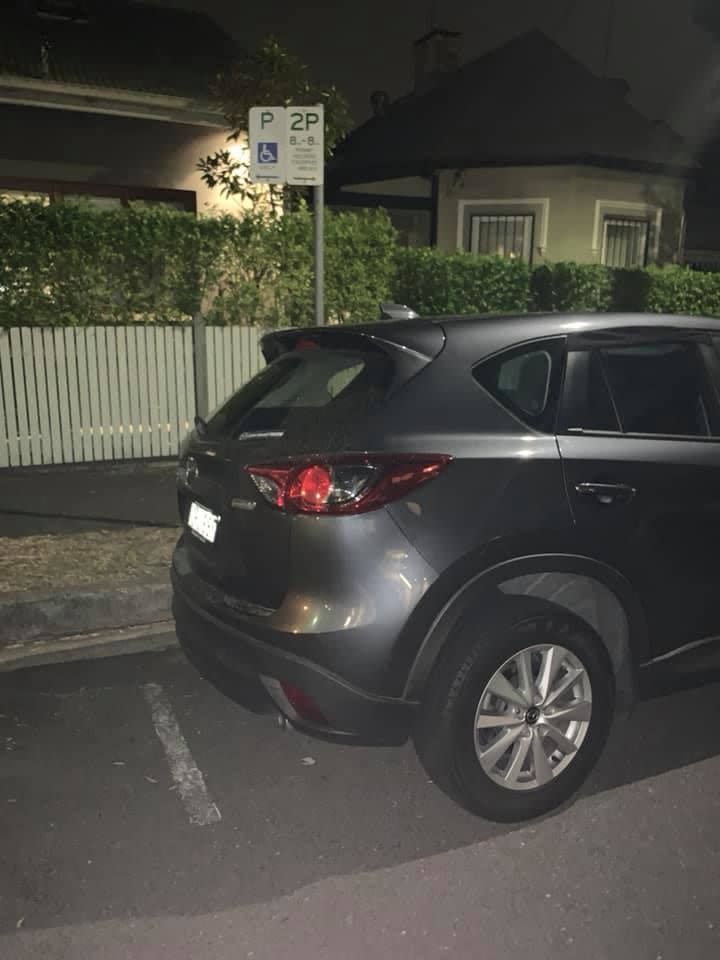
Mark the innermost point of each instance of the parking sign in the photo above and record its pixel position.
(268, 162)
(305, 132)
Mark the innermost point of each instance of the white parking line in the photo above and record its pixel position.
(185, 772)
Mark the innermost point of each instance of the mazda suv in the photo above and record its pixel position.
(481, 533)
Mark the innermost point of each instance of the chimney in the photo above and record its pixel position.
(44, 59)
(436, 55)
(379, 101)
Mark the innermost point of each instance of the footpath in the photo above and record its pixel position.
(84, 560)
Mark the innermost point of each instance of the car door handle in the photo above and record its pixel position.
(606, 492)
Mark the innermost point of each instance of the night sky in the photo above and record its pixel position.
(673, 67)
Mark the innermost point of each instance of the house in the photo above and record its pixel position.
(109, 100)
(522, 152)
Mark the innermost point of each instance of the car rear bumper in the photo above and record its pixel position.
(244, 667)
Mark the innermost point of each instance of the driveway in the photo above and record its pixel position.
(144, 816)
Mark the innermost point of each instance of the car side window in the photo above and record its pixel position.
(658, 389)
(652, 389)
(525, 380)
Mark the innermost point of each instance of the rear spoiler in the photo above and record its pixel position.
(423, 342)
(423, 338)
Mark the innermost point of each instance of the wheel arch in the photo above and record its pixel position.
(590, 589)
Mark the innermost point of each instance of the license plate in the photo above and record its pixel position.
(203, 523)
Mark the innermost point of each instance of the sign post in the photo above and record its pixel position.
(319, 219)
(287, 145)
(306, 167)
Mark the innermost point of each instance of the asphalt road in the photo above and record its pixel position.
(303, 850)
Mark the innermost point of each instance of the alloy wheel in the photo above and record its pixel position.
(533, 717)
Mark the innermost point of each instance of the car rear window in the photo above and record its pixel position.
(305, 388)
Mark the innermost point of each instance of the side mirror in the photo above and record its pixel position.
(397, 311)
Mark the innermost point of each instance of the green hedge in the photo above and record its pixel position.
(435, 283)
(68, 264)
(65, 264)
(574, 287)
(569, 287)
(678, 290)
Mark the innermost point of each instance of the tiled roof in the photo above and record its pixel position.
(526, 102)
(133, 47)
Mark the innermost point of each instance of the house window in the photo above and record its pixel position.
(502, 235)
(625, 242)
(99, 202)
(102, 197)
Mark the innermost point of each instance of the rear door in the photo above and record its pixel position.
(311, 399)
(638, 441)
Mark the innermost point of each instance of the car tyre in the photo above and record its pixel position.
(512, 645)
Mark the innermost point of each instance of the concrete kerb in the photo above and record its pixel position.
(67, 620)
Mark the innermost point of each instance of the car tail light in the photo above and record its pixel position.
(345, 484)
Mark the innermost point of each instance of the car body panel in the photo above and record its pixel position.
(665, 540)
(235, 659)
(354, 585)
(250, 556)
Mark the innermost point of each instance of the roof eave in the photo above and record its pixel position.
(371, 174)
(51, 94)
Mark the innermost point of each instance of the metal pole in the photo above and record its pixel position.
(319, 207)
(200, 363)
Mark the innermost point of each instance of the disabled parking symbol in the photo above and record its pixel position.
(267, 152)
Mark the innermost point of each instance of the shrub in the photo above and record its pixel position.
(359, 264)
(571, 287)
(541, 293)
(69, 264)
(682, 291)
(435, 283)
(568, 287)
(630, 290)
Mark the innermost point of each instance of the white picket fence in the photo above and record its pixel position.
(86, 394)
(233, 357)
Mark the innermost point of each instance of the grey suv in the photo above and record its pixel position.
(483, 533)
